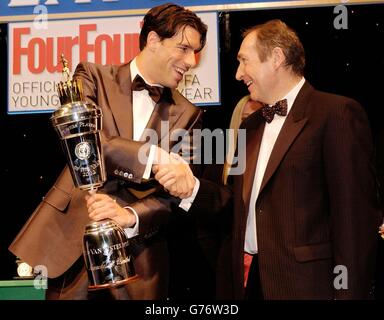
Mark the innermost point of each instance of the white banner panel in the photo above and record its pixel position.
(34, 66)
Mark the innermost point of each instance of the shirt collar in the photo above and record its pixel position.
(291, 96)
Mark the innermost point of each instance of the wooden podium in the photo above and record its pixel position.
(20, 290)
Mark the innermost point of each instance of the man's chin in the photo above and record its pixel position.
(254, 96)
(174, 84)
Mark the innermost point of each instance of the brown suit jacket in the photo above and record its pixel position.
(53, 234)
(317, 205)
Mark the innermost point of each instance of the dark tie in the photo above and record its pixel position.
(280, 108)
(139, 84)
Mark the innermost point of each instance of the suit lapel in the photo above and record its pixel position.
(165, 113)
(164, 117)
(255, 128)
(119, 96)
(293, 125)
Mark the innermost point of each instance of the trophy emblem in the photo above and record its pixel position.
(78, 125)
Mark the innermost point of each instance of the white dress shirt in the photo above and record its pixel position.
(270, 134)
(142, 105)
(142, 108)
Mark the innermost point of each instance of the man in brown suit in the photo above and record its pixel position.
(305, 215)
(52, 237)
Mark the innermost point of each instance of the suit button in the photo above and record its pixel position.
(116, 172)
(260, 211)
(130, 176)
(125, 174)
(121, 173)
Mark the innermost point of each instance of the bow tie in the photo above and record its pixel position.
(155, 92)
(280, 108)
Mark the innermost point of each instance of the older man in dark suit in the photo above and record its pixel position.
(305, 216)
(169, 40)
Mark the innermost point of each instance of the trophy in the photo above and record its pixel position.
(78, 124)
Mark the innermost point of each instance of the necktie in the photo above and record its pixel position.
(280, 108)
(247, 266)
(155, 92)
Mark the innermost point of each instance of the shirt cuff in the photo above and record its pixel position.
(151, 157)
(132, 231)
(186, 203)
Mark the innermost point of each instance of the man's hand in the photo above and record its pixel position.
(101, 206)
(174, 174)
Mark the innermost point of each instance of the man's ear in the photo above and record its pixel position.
(153, 40)
(278, 57)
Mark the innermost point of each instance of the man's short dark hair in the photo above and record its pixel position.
(167, 19)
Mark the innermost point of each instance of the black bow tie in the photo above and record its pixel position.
(139, 84)
(280, 108)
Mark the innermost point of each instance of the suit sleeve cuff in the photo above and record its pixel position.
(151, 157)
(186, 203)
(132, 231)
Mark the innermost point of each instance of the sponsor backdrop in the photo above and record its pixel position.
(34, 66)
(36, 44)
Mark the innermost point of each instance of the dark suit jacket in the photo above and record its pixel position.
(317, 205)
(53, 234)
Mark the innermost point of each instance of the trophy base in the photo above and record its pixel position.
(112, 284)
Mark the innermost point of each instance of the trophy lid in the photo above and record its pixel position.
(75, 112)
(69, 90)
(73, 107)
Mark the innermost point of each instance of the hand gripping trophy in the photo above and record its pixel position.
(78, 124)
